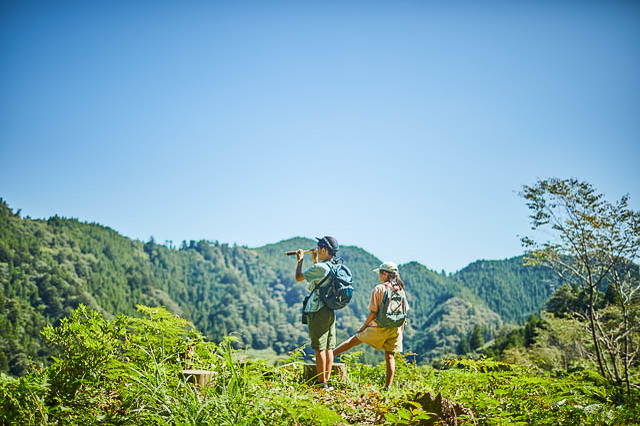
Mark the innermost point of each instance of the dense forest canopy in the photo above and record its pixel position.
(50, 267)
(550, 337)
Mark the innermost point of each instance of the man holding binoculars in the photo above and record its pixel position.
(320, 319)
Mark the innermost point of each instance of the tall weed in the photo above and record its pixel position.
(130, 371)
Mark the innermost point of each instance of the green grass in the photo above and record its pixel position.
(127, 371)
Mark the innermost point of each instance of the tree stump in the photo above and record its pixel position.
(338, 372)
(199, 377)
(445, 411)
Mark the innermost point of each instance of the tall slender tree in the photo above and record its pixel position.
(476, 339)
(590, 243)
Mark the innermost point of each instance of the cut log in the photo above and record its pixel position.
(338, 372)
(199, 377)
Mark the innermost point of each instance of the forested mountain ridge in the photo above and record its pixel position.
(509, 288)
(48, 267)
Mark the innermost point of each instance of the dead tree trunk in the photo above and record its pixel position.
(338, 372)
(199, 377)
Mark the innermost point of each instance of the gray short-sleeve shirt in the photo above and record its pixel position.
(314, 276)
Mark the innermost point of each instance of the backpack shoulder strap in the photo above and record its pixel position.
(388, 291)
(326, 277)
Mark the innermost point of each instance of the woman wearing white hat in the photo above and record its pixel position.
(383, 327)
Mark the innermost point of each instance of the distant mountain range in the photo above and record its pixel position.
(48, 267)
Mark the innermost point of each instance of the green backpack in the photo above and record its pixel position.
(393, 309)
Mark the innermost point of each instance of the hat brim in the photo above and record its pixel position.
(378, 270)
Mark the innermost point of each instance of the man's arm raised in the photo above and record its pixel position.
(300, 258)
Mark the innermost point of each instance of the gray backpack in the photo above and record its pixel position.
(393, 309)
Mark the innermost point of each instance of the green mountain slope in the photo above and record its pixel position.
(509, 288)
(48, 267)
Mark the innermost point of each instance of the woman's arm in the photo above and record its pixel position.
(371, 317)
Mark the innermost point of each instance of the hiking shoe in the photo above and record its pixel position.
(328, 388)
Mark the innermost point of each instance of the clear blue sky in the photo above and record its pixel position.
(405, 128)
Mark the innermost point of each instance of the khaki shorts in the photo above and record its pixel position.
(389, 339)
(322, 329)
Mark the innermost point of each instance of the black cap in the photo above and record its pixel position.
(328, 242)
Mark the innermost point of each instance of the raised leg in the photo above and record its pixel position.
(346, 345)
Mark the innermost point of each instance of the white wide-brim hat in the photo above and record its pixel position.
(387, 266)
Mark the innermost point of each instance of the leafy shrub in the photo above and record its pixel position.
(22, 401)
(129, 371)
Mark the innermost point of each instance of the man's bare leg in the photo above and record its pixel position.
(328, 364)
(320, 363)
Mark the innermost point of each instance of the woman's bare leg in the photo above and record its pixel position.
(391, 367)
(346, 345)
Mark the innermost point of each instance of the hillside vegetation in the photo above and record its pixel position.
(49, 267)
(129, 370)
(83, 339)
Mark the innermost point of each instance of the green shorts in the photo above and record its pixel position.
(389, 339)
(322, 329)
